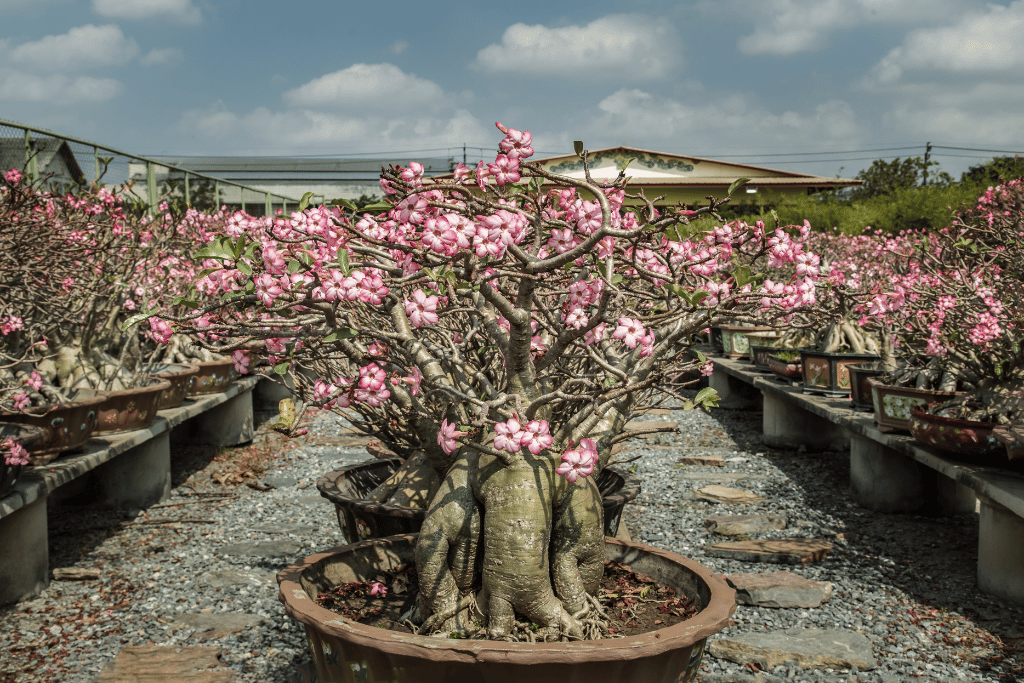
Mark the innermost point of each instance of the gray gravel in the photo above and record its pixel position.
(907, 582)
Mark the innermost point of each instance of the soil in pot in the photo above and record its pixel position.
(634, 603)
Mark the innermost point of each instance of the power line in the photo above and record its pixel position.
(973, 149)
(794, 154)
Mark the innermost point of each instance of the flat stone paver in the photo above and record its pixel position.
(710, 459)
(717, 493)
(744, 525)
(167, 664)
(225, 578)
(268, 549)
(212, 626)
(75, 574)
(806, 648)
(778, 551)
(779, 589)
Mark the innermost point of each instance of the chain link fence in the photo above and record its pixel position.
(63, 162)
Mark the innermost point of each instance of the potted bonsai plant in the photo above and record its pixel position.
(506, 322)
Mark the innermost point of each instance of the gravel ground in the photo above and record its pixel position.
(907, 582)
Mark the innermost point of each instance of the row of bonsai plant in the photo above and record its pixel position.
(504, 323)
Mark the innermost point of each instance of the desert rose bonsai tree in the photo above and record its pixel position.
(507, 322)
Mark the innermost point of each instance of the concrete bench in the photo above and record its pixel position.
(893, 472)
(132, 469)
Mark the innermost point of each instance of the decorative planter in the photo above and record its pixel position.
(29, 436)
(128, 409)
(345, 651)
(67, 426)
(828, 373)
(966, 438)
(360, 519)
(759, 354)
(789, 371)
(213, 377)
(180, 377)
(860, 387)
(892, 404)
(734, 339)
(762, 340)
(716, 339)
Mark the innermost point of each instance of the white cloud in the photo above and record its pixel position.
(56, 88)
(155, 57)
(985, 42)
(986, 113)
(376, 86)
(628, 45)
(81, 47)
(634, 117)
(180, 10)
(786, 27)
(398, 47)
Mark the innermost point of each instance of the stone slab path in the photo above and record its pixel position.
(806, 648)
(728, 496)
(155, 664)
(743, 525)
(778, 551)
(779, 589)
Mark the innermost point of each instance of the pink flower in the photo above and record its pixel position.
(576, 463)
(268, 288)
(504, 169)
(241, 361)
(517, 144)
(377, 588)
(446, 436)
(371, 377)
(13, 176)
(535, 436)
(21, 401)
(421, 309)
(35, 381)
(630, 331)
(15, 454)
(160, 330)
(413, 379)
(509, 435)
(707, 368)
(11, 324)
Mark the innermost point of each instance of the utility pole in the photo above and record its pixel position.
(463, 153)
(927, 153)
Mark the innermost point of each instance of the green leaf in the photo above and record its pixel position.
(294, 266)
(250, 287)
(698, 296)
(578, 146)
(347, 203)
(616, 279)
(701, 357)
(219, 249)
(343, 264)
(206, 271)
(136, 319)
(238, 247)
(338, 335)
(707, 397)
(736, 184)
(244, 267)
(376, 206)
(304, 202)
(282, 369)
(285, 414)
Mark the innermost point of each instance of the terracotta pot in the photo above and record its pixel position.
(347, 651)
(786, 370)
(828, 373)
(213, 377)
(860, 388)
(126, 410)
(734, 339)
(892, 404)
(29, 436)
(965, 438)
(67, 426)
(359, 519)
(180, 377)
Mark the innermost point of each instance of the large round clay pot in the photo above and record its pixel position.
(126, 410)
(360, 519)
(67, 426)
(29, 437)
(346, 651)
(180, 376)
(213, 377)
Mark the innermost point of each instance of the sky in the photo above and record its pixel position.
(811, 86)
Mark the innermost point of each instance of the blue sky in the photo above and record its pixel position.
(732, 79)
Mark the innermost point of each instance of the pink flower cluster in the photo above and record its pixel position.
(14, 453)
(512, 436)
(578, 462)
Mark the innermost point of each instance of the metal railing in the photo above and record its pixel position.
(39, 153)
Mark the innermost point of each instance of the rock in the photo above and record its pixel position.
(743, 525)
(75, 574)
(806, 648)
(283, 528)
(717, 493)
(780, 551)
(712, 459)
(269, 549)
(226, 578)
(779, 589)
(154, 664)
(214, 626)
(662, 425)
(719, 476)
(280, 482)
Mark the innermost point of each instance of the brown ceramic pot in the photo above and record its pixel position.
(67, 426)
(213, 377)
(785, 370)
(860, 383)
(965, 438)
(180, 377)
(829, 373)
(346, 651)
(735, 343)
(360, 519)
(126, 410)
(892, 404)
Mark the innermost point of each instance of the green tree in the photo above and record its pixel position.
(995, 171)
(883, 178)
